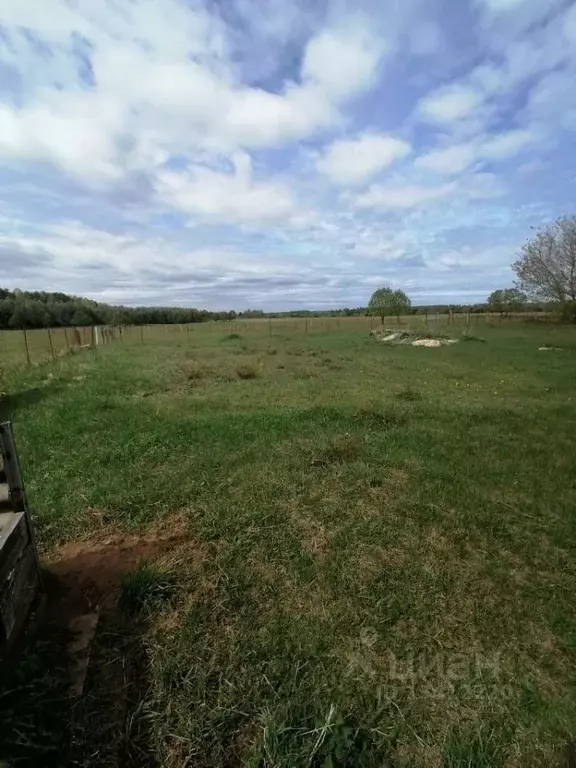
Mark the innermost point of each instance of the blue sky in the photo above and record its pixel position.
(273, 154)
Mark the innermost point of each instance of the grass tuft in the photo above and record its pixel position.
(373, 417)
(409, 395)
(146, 588)
(472, 337)
(197, 372)
(480, 748)
(341, 449)
(247, 372)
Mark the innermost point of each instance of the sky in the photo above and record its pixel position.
(281, 154)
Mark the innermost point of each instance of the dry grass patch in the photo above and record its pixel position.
(340, 449)
(247, 372)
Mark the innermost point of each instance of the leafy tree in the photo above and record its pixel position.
(546, 266)
(506, 300)
(386, 301)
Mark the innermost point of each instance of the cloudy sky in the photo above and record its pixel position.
(281, 153)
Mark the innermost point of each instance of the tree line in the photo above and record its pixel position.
(545, 270)
(41, 309)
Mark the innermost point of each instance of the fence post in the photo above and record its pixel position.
(26, 345)
(142, 334)
(67, 340)
(50, 342)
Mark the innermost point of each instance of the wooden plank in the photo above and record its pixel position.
(5, 500)
(14, 537)
(17, 594)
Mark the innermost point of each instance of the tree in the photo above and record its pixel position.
(506, 300)
(546, 266)
(386, 301)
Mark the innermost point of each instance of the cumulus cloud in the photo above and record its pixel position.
(343, 62)
(352, 161)
(231, 196)
(155, 95)
(273, 154)
(450, 103)
(453, 159)
(405, 196)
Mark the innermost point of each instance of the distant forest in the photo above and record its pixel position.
(40, 309)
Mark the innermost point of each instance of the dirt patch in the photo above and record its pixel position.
(98, 647)
(94, 567)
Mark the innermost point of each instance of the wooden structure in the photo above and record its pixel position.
(20, 582)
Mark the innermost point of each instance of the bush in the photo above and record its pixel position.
(568, 314)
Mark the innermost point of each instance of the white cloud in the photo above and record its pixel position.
(234, 197)
(492, 147)
(448, 160)
(352, 161)
(569, 25)
(164, 84)
(343, 62)
(449, 104)
(503, 5)
(504, 145)
(403, 196)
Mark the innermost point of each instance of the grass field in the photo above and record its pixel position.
(373, 559)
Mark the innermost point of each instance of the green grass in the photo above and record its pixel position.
(381, 565)
(146, 588)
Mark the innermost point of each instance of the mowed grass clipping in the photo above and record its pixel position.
(388, 538)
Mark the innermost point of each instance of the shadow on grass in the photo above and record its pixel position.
(17, 401)
(41, 723)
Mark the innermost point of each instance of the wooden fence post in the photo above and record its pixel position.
(142, 334)
(26, 345)
(50, 342)
(67, 340)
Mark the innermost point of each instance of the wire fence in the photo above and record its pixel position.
(31, 347)
(22, 348)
